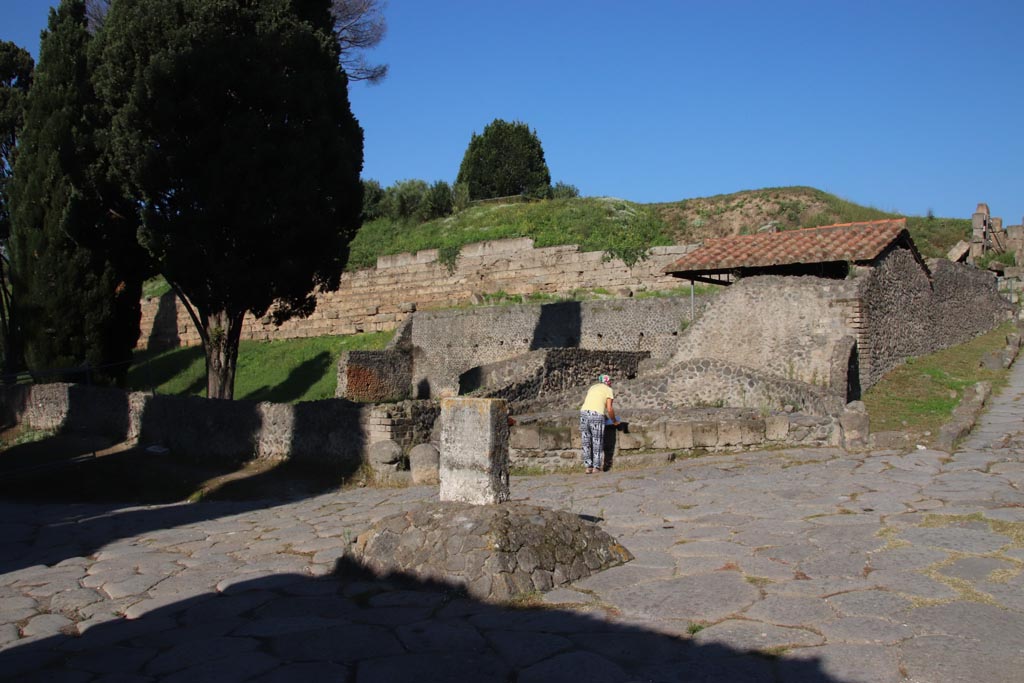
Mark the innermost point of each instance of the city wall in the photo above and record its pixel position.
(375, 299)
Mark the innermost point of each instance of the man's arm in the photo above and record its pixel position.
(610, 410)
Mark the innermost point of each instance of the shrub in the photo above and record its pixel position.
(373, 200)
(562, 190)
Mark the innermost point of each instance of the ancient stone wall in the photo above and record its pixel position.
(547, 372)
(787, 327)
(896, 298)
(552, 441)
(448, 343)
(379, 298)
(907, 312)
(966, 302)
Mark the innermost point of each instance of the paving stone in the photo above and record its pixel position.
(113, 659)
(864, 629)
(840, 662)
(956, 539)
(751, 636)
(790, 611)
(230, 669)
(306, 672)
(185, 655)
(906, 557)
(46, 625)
(347, 643)
(834, 564)
(439, 667)
(633, 648)
(867, 603)
(520, 649)
(949, 659)
(441, 636)
(702, 597)
(976, 569)
(912, 584)
(584, 666)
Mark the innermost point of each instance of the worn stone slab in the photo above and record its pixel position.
(866, 603)
(950, 659)
(790, 611)
(864, 629)
(702, 597)
(841, 662)
(956, 539)
(751, 636)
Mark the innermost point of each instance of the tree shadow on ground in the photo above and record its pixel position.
(149, 372)
(353, 625)
(299, 381)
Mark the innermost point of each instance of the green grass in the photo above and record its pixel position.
(285, 371)
(617, 227)
(920, 395)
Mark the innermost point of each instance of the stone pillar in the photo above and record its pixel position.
(474, 450)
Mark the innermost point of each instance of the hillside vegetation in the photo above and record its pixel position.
(626, 229)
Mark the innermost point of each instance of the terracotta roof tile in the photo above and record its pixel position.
(842, 242)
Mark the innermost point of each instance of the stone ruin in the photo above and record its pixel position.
(474, 537)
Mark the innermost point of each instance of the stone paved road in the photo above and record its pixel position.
(795, 565)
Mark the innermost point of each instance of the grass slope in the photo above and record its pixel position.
(284, 371)
(625, 229)
(920, 395)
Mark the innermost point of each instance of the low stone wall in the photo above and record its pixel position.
(552, 441)
(375, 299)
(710, 383)
(538, 374)
(332, 433)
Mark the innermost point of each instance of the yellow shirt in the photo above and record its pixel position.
(595, 399)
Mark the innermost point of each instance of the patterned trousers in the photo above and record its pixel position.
(592, 435)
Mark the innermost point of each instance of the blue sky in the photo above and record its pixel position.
(905, 105)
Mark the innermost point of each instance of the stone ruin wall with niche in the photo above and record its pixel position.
(377, 299)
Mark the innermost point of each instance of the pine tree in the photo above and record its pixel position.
(505, 160)
(74, 307)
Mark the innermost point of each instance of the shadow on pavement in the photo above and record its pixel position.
(354, 626)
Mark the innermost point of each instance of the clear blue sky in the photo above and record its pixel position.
(905, 105)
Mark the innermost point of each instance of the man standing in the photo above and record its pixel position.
(596, 409)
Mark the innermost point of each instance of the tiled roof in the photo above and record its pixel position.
(843, 242)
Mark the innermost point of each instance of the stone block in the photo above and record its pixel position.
(705, 434)
(656, 435)
(751, 432)
(854, 426)
(474, 450)
(424, 464)
(553, 437)
(776, 427)
(525, 437)
(729, 434)
(633, 440)
(679, 435)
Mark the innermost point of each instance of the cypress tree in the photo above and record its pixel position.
(16, 68)
(230, 128)
(505, 160)
(74, 307)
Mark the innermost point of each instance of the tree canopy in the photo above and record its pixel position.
(231, 131)
(506, 159)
